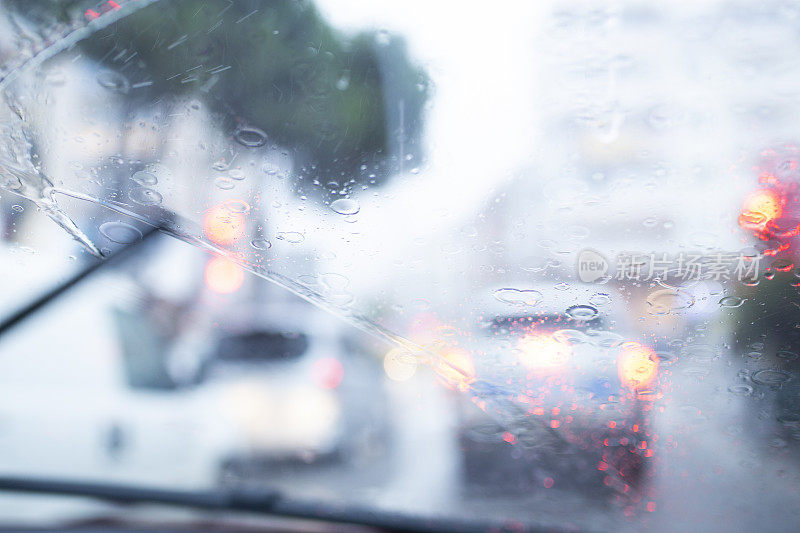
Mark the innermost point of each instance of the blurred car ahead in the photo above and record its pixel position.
(575, 405)
(304, 391)
(206, 406)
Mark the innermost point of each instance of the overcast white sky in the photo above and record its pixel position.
(482, 124)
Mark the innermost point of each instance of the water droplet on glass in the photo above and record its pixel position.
(293, 237)
(143, 177)
(450, 248)
(261, 244)
(666, 358)
(742, 390)
(675, 279)
(250, 137)
(600, 298)
(582, 312)
(570, 336)
(237, 206)
(731, 301)
(334, 281)
(120, 232)
(665, 301)
(224, 183)
(145, 196)
(607, 339)
(113, 81)
(699, 353)
(771, 378)
(345, 206)
(527, 297)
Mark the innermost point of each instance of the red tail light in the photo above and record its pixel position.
(328, 372)
(760, 208)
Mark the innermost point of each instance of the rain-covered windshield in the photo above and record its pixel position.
(529, 264)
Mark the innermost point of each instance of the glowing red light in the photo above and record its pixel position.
(328, 372)
(761, 207)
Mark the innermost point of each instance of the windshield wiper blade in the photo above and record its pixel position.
(32, 307)
(253, 500)
(235, 500)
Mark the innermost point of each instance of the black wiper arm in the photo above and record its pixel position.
(253, 500)
(250, 500)
(32, 307)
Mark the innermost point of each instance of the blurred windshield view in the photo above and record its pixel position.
(528, 266)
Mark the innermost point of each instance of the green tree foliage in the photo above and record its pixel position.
(278, 66)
